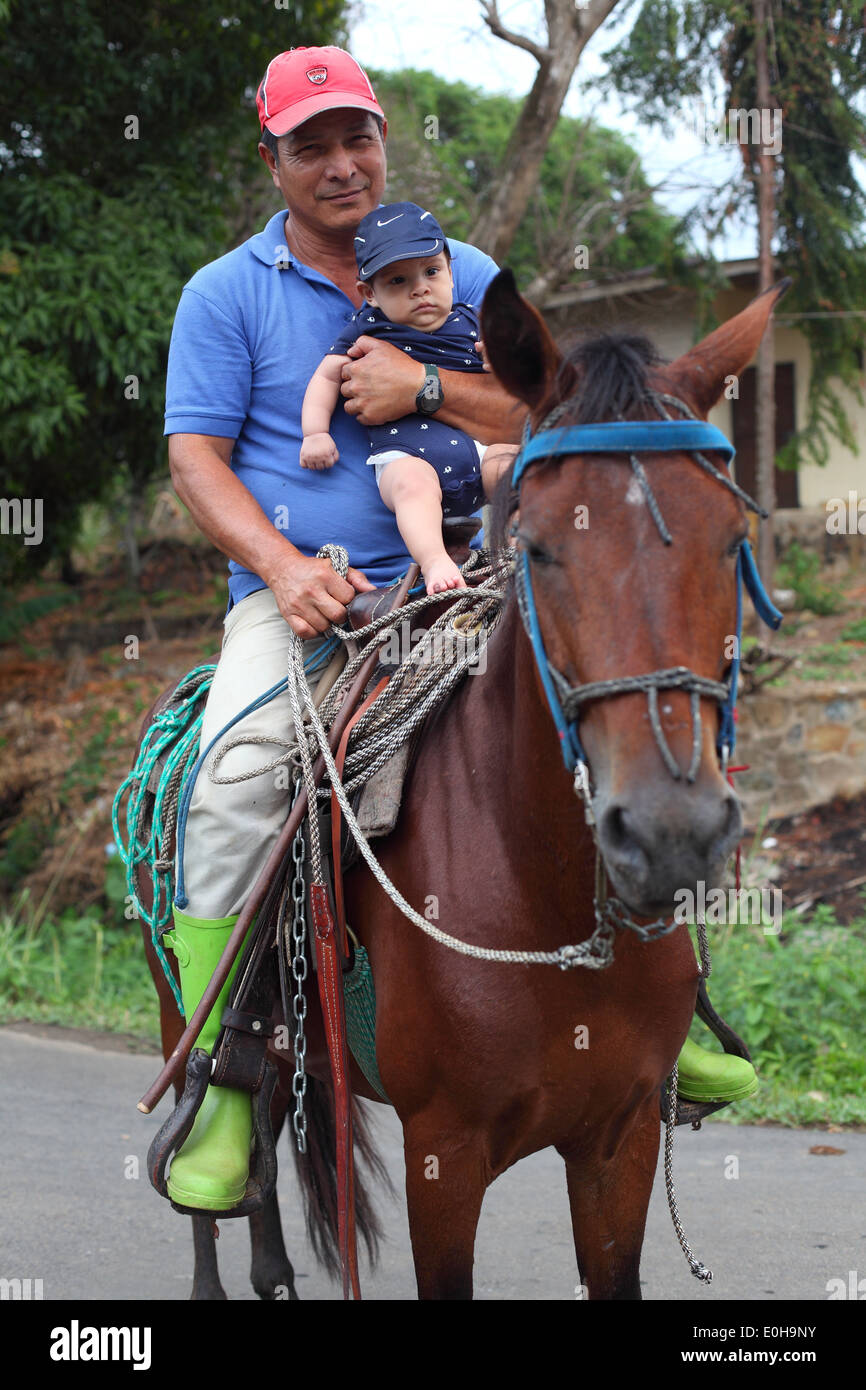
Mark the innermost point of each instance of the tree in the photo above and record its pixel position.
(127, 133)
(687, 49)
(446, 146)
(765, 387)
(570, 25)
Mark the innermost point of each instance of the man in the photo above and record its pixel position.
(250, 330)
(249, 333)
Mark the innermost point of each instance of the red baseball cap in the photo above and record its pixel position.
(304, 81)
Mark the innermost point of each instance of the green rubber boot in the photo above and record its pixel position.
(714, 1076)
(210, 1170)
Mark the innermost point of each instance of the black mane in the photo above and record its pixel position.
(613, 369)
(613, 377)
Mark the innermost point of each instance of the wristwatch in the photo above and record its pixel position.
(432, 394)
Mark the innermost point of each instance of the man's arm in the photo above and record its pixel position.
(309, 592)
(381, 384)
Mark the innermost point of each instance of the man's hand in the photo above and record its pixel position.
(382, 383)
(318, 451)
(311, 595)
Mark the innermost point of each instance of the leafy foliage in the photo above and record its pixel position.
(796, 999)
(682, 49)
(799, 571)
(127, 136)
(446, 144)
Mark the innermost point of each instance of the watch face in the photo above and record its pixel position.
(430, 397)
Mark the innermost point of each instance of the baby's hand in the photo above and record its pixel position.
(319, 451)
(479, 348)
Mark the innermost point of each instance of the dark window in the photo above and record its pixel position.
(787, 491)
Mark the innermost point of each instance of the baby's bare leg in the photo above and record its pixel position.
(410, 488)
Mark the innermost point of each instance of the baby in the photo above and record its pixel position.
(424, 468)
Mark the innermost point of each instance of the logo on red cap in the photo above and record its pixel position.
(284, 99)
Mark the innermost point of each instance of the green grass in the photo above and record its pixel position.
(797, 1000)
(799, 571)
(824, 663)
(81, 970)
(854, 632)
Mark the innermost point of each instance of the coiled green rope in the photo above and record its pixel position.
(175, 734)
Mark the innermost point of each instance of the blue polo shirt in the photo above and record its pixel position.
(251, 329)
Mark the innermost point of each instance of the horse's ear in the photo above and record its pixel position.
(702, 373)
(517, 345)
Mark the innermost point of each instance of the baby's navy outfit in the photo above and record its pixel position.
(452, 452)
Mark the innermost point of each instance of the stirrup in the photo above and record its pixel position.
(176, 1129)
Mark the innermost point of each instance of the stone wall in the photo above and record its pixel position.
(807, 526)
(804, 745)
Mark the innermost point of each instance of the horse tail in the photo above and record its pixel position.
(317, 1174)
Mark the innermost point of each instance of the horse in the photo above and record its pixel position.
(487, 1062)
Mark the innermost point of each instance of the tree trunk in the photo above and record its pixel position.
(765, 385)
(497, 226)
(569, 28)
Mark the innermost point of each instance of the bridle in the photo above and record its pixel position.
(633, 437)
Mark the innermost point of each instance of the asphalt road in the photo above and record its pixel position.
(73, 1213)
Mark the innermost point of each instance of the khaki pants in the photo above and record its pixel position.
(231, 829)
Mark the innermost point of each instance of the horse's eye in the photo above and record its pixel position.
(734, 547)
(536, 553)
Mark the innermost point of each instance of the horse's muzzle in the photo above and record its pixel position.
(652, 853)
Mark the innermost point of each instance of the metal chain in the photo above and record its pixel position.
(299, 971)
(614, 912)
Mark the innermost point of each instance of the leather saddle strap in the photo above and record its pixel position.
(336, 857)
(329, 975)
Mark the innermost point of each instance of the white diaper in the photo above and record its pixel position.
(379, 461)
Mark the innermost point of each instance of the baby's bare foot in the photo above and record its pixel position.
(442, 574)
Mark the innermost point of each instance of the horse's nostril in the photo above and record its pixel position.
(615, 827)
(618, 835)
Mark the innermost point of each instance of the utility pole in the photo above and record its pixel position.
(765, 384)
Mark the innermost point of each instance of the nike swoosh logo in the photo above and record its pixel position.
(390, 220)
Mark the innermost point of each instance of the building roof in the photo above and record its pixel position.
(639, 282)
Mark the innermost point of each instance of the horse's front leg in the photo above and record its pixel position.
(206, 1278)
(446, 1178)
(271, 1275)
(609, 1201)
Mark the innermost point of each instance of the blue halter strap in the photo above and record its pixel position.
(630, 437)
